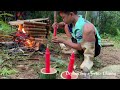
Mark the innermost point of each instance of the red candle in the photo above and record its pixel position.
(70, 66)
(47, 59)
(55, 30)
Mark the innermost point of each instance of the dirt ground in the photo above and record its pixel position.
(109, 56)
(30, 69)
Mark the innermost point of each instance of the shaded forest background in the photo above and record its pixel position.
(107, 22)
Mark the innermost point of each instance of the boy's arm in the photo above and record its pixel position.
(66, 28)
(61, 25)
(73, 45)
(57, 39)
(88, 36)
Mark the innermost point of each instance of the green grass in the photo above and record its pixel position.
(5, 28)
(5, 71)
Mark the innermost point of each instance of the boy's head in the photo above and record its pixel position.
(68, 16)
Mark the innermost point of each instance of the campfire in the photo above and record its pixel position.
(31, 35)
(22, 38)
(31, 31)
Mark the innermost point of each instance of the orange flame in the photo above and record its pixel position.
(23, 30)
(29, 43)
(20, 27)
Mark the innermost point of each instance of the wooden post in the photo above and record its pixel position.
(85, 14)
(55, 16)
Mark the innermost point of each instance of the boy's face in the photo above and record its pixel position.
(67, 18)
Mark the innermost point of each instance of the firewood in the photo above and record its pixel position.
(39, 29)
(35, 23)
(37, 33)
(29, 20)
(104, 40)
(36, 20)
(107, 44)
(41, 40)
(6, 36)
(34, 26)
(16, 22)
(38, 39)
(7, 43)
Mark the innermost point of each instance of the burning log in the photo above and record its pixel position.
(29, 43)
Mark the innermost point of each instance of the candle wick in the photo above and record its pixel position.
(47, 46)
(73, 51)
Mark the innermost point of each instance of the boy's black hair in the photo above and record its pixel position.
(67, 12)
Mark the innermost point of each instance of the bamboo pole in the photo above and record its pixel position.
(55, 16)
(35, 29)
(35, 23)
(86, 15)
(33, 26)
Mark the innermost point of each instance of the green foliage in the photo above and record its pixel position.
(110, 22)
(6, 14)
(106, 21)
(6, 71)
(1, 61)
(59, 61)
(5, 28)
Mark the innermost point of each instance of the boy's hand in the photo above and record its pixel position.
(59, 25)
(57, 39)
(55, 24)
